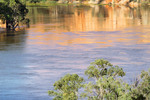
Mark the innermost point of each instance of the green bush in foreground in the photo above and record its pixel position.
(67, 87)
(106, 84)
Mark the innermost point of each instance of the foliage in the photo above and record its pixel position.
(104, 84)
(141, 88)
(39, 1)
(12, 11)
(67, 87)
(34, 1)
(101, 68)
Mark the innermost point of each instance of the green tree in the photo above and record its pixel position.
(13, 12)
(140, 90)
(101, 68)
(67, 87)
(34, 1)
(105, 84)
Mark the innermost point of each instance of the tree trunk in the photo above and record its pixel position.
(7, 25)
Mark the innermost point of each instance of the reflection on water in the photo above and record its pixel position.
(12, 40)
(53, 22)
(94, 18)
(65, 39)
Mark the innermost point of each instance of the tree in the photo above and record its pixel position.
(101, 68)
(105, 84)
(140, 90)
(67, 87)
(13, 12)
(34, 1)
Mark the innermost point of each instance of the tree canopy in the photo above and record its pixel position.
(12, 12)
(105, 84)
(67, 87)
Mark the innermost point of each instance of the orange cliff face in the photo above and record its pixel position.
(110, 1)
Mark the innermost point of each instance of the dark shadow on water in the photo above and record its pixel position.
(12, 39)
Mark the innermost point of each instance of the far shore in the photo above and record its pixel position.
(53, 3)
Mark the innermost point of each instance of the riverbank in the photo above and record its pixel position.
(85, 4)
(120, 3)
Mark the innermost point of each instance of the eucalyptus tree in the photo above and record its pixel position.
(67, 87)
(140, 90)
(105, 85)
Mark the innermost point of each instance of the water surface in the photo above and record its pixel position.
(65, 39)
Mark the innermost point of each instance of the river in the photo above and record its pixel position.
(66, 39)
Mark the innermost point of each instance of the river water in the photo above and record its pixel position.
(66, 39)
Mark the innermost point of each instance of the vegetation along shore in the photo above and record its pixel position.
(87, 2)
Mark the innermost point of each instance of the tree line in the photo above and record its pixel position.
(143, 2)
